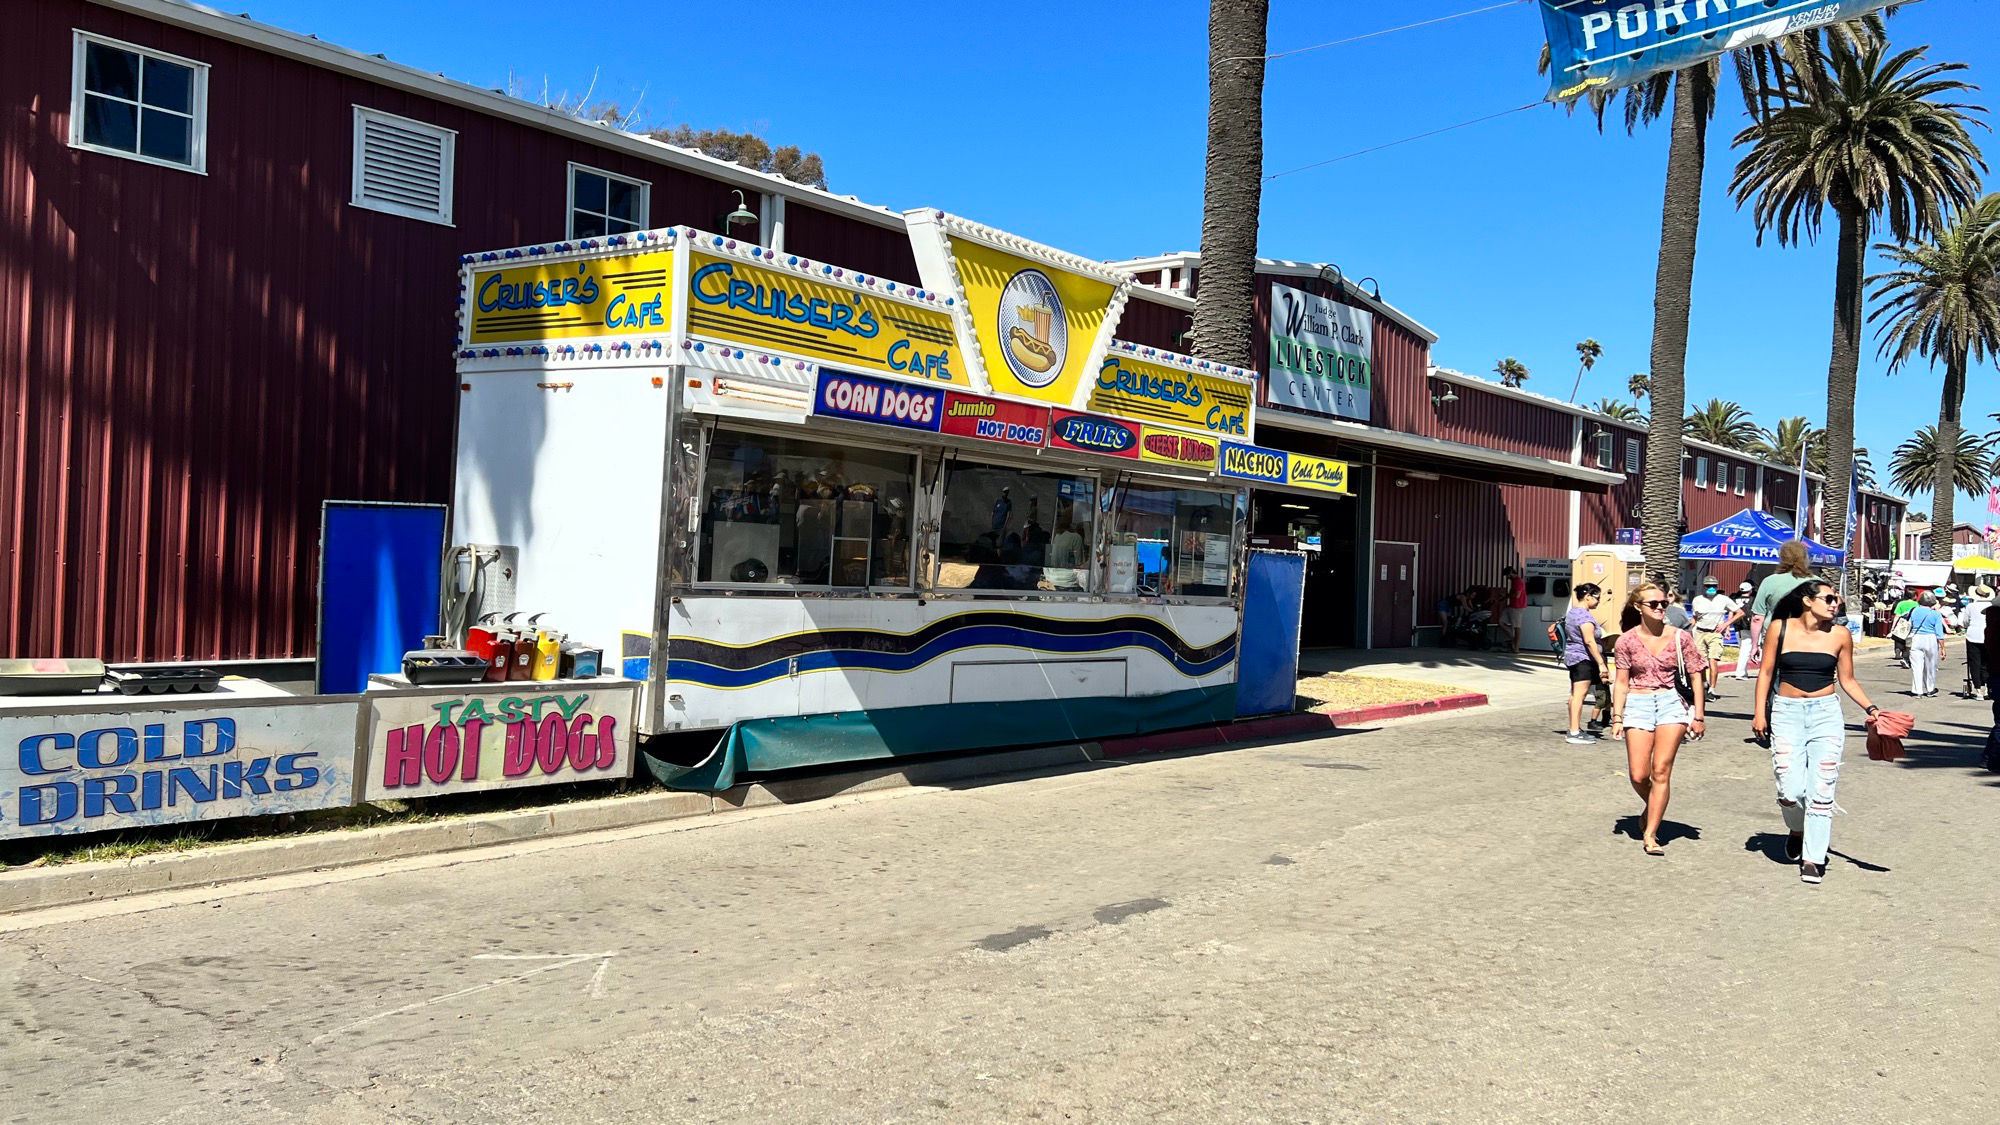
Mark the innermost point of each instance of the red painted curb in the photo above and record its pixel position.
(1247, 730)
(1381, 711)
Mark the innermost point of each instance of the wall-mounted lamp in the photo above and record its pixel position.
(743, 214)
(1378, 287)
(1402, 482)
(1331, 274)
(1450, 395)
(1184, 339)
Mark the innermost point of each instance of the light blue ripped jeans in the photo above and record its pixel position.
(1808, 737)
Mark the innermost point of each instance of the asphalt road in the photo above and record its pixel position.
(1441, 920)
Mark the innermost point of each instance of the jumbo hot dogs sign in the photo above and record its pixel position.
(424, 743)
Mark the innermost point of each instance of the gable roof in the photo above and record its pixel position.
(313, 51)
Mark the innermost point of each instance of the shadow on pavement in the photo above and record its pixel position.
(1634, 825)
(1772, 846)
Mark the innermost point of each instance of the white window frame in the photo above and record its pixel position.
(1742, 479)
(569, 206)
(1701, 472)
(1606, 450)
(197, 93)
(1632, 461)
(1721, 475)
(450, 138)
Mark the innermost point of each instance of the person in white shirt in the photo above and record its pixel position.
(1975, 640)
(1746, 639)
(1714, 613)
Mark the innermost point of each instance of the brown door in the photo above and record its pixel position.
(1395, 598)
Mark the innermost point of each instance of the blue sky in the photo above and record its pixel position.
(1082, 125)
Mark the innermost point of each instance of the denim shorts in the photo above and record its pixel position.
(1655, 709)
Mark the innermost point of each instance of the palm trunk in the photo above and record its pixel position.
(1673, 287)
(1225, 297)
(1841, 368)
(1944, 479)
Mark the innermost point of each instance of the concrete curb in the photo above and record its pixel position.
(1378, 712)
(40, 888)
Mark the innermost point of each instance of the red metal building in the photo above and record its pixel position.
(228, 296)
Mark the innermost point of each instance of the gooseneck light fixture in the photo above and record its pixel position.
(742, 215)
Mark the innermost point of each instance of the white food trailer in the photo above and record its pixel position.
(834, 517)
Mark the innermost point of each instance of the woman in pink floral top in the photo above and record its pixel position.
(1646, 710)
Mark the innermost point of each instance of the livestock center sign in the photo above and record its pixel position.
(70, 771)
(1321, 354)
(425, 742)
(1598, 45)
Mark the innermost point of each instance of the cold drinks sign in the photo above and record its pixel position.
(1320, 354)
(88, 771)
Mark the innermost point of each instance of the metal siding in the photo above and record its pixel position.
(1467, 531)
(190, 365)
(826, 237)
(1154, 325)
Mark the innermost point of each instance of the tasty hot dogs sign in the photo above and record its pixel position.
(424, 743)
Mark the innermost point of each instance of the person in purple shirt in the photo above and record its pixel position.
(1583, 655)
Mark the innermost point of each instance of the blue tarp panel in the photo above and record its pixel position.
(1750, 536)
(379, 588)
(1267, 661)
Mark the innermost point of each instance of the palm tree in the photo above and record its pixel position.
(1943, 302)
(1872, 136)
(1639, 385)
(1623, 411)
(1587, 353)
(1914, 466)
(1512, 372)
(1693, 93)
(1721, 423)
(1761, 76)
(1787, 443)
(1233, 184)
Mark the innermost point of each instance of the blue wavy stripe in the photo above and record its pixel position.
(978, 636)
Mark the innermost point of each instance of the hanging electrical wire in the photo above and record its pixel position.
(1384, 31)
(1401, 141)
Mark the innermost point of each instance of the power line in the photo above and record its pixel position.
(1378, 34)
(1402, 141)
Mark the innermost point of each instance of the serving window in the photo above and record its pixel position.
(1004, 528)
(784, 512)
(1173, 542)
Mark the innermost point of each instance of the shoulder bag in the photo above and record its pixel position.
(1682, 684)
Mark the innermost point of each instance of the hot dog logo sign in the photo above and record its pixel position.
(1033, 322)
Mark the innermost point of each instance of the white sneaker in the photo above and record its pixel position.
(1578, 738)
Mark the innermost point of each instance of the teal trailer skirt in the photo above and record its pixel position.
(763, 745)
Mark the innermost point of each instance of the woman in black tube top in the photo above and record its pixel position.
(1798, 712)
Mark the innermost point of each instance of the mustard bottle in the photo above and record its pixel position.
(548, 654)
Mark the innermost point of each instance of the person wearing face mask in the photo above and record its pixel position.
(1714, 613)
(1798, 716)
(1647, 710)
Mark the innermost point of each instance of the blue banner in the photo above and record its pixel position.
(1606, 44)
(842, 394)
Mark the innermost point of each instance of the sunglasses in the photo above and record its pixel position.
(1830, 599)
(1654, 605)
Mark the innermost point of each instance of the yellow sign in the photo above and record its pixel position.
(1155, 392)
(764, 308)
(1316, 473)
(572, 299)
(1174, 447)
(1036, 323)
